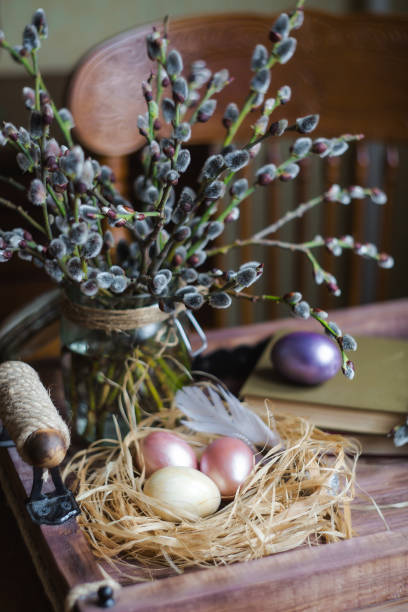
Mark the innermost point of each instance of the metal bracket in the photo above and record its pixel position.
(195, 324)
(51, 508)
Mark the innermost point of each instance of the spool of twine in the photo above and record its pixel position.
(31, 419)
(111, 320)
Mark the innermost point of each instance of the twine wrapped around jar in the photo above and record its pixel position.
(112, 320)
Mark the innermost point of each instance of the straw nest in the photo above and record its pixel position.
(294, 496)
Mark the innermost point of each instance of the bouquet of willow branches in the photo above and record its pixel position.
(171, 225)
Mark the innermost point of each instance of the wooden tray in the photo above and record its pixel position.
(370, 568)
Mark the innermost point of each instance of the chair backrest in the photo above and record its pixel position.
(351, 69)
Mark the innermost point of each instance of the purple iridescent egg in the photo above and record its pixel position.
(306, 358)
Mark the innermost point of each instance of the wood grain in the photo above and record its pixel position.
(367, 92)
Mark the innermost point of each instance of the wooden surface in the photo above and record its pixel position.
(332, 73)
(368, 569)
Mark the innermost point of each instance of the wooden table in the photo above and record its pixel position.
(362, 573)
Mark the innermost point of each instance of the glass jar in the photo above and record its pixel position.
(123, 373)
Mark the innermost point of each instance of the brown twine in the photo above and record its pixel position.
(25, 405)
(111, 320)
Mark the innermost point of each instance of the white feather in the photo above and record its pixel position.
(222, 413)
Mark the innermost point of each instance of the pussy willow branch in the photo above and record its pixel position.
(248, 105)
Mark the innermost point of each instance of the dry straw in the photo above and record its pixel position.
(295, 496)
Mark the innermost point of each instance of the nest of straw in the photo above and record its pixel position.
(294, 496)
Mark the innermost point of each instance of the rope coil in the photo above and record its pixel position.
(111, 320)
(26, 407)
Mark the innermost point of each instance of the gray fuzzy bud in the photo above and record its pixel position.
(74, 269)
(23, 162)
(174, 63)
(197, 259)
(302, 310)
(259, 57)
(72, 163)
(261, 80)
(307, 124)
(168, 110)
(214, 190)
(172, 177)
(284, 94)
(36, 125)
(237, 160)
(180, 89)
(104, 280)
(285, 50)
(200, 74)
(23, 137)
(290, 172)
(39, 21)
(281, 27)
(233, 215)
(266, 174)
(89, 288)
(180, 254)
(150, 195)
(117, 270)
(193, 300)
(214, 229)
(79, 233)
(301, 147)
(53, 270)
(385, 261)
(57, 248)
(87, 174)
(378, 197)
(31, 40)
(189, 275)
(181, 291)
(66, 118)
(219, 80)
(159, 282)
(337, 148)
(206, 110)
(400, 435)
(183, 160)
(245, 277)
(348, 370)
(182, 233)
(37, 193)
(205, 279)
(119, 284)
(357, 192)
(231, 114)
(349, 343)
(93, 246)
(213, 166)
(182, 132)
(334, 329)
(219, 300)
(239, 187)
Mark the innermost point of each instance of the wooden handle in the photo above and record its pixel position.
(31, 419)
(45, 448)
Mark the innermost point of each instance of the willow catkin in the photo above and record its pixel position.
(25, 406)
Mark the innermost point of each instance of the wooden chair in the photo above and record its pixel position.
(351, 69)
